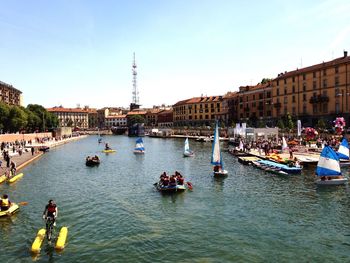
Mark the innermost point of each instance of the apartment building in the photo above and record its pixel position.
(9, 95)
(71, 117)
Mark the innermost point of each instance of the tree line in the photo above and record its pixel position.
(33, 118)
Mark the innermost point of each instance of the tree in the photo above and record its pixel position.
(4, 115)
(280, 124)
(17, 119)
(265, 80)
(289, 123)
(133, 119)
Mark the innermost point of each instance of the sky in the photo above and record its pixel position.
(72, 52)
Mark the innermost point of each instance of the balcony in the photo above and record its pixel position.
(319, 99)
(278, 105)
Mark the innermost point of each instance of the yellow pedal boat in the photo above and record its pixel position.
(9, 212)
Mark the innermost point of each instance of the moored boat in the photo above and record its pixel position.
(9, 212)
(282, 167)
(15, 178)
(328, 168)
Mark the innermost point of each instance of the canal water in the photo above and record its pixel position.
(114, 213)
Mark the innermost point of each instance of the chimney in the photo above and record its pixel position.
(345, 54)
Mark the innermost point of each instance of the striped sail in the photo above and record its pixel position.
(328, 164)
(343, 151)
(139, 145)
(216, 155)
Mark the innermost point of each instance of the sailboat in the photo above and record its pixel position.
(216, 158)
(284, 145)
(328, 168)
(139, 148)
(344, 153)
(187, 151)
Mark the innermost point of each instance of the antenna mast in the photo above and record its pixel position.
(135, 92)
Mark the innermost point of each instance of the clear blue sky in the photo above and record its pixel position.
(80, 51)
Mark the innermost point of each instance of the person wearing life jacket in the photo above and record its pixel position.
(51, 211)
(5, 203)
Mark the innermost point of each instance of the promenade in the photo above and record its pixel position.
(26, 157)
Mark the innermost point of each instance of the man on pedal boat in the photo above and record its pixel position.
(51, 211)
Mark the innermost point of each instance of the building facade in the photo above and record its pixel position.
(9, 95)
(315, 92)
(115, 121)
(199, 111)
(165, 119)
(71, 117)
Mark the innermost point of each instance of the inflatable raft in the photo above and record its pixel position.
(15, 178)
(62, 237)
(9, 212)
(36, 246)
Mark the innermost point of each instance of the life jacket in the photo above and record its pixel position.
(5, 202)
(51, 208)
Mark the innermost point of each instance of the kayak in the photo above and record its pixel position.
(109, 151)
(15, 178)
(9, 212)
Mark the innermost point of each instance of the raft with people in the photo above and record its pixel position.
(92, 161)
(173, 183)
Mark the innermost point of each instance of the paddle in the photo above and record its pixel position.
(189, 185)
(23, 203)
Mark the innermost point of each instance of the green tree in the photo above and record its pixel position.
(265, 80)
(17, 119)
(289, 123)
(4, 116)
(280, 124)
(133, 119)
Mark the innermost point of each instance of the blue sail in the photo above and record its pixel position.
(328, 164)
(139, 145)
(343, 151)
(216, 154)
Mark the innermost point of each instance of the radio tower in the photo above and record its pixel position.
(135, 94)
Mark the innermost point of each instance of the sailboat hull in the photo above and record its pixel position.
(188, 154)
(221, 173)
(336, 181)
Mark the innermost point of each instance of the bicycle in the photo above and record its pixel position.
(49, 227)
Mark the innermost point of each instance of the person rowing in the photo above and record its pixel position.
(107, 147)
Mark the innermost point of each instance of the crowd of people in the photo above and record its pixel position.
(172, 180)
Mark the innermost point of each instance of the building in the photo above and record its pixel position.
(71, 117)
(198, 111)
(9, 95)
(312, 93)
(103, 113)
(92, 116)
(165, 119)
(115, 121)
(152, 117)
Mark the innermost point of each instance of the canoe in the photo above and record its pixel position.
(109, 151)
(36, 246)
(9, 212)
(15, 178)
(3, 178)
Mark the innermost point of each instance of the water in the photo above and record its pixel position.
(114, 213)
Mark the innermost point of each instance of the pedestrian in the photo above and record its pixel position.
(32, 150)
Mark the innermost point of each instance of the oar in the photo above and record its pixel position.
(189, 185)
(23, 203)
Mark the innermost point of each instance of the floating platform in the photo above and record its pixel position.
(15, 178)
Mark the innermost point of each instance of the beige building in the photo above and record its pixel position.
(311, 93)
(199, 111)
(115, 121)
(9, 95)
(71, 117)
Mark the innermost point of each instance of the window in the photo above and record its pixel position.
(285, 90)
(285, 81)
(268, 94)
(314, 85)
(314, 74)
(304, 76)
(293, 89)
(293, 111)
(285, 100)
(293, 79)
(206, 116)
(253, 97)
(260, 96)
(325, 83)
(278, 83)
(336, 69)
(337, 107)
(324, 72)
(304, 97)
(325, 107)
(304, 87)
(278, 92)
(336, 81)
(304, 109)
(314, 108)
(293, 98)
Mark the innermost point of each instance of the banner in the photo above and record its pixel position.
(299, 127)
